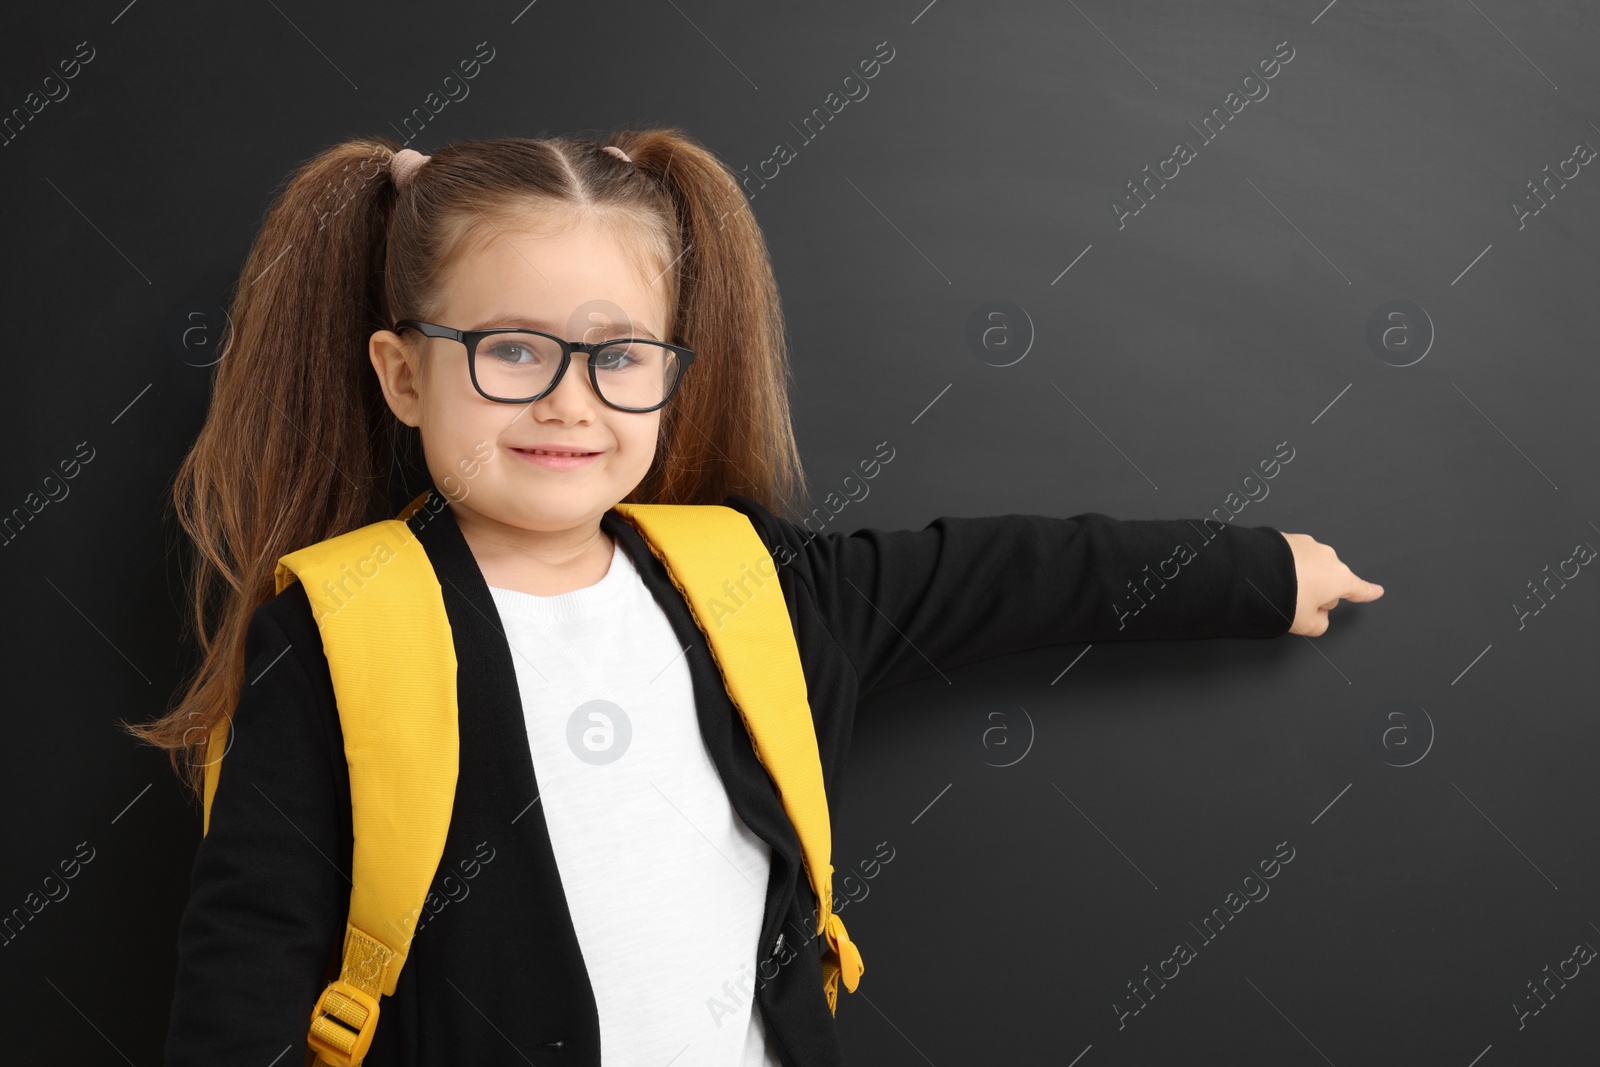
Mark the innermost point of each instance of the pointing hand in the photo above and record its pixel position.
(1324, 581)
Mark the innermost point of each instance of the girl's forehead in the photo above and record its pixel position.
(577, 278)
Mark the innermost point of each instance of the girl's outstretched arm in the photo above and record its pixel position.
(905, 604)
(269, 891)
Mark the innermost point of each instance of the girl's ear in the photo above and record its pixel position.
(397, 374)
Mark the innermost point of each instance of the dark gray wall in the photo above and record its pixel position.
(1434, 873)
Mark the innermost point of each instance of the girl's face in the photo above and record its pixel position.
(577, 284)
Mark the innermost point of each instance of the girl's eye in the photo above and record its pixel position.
(513, 352)
(625, 357)
(613, 358)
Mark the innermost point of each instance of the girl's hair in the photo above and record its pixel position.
(299, 444)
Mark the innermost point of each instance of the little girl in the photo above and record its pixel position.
(410, 324)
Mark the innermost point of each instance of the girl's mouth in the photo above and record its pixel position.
(556, 460)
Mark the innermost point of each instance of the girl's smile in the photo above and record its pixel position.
(554, 460)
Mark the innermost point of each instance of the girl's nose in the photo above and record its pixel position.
(573, 395)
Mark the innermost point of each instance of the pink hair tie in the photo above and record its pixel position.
(404, 163)
(619, 153)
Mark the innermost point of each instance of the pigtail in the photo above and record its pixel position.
(298, 444)
(729, 428)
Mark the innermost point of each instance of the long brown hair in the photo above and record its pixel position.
(299, 444)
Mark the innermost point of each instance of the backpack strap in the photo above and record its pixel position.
(713, 554)
(392, 659)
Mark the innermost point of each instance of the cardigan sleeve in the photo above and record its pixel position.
(908, 604)
(269, 891)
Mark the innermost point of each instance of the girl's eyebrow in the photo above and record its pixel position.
(539, 324)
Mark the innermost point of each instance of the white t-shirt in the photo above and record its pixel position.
(665, 883)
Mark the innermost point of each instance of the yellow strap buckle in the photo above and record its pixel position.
(842, 961)
(342, 1023)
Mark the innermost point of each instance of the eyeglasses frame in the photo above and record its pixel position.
(470, 339)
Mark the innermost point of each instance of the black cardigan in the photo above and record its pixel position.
(495, 973)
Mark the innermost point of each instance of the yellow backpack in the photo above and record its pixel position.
(391, 658)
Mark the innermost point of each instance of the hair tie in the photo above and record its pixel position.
(619, 153)
(404, 163)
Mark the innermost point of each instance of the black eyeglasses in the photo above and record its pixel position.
(519, 366)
